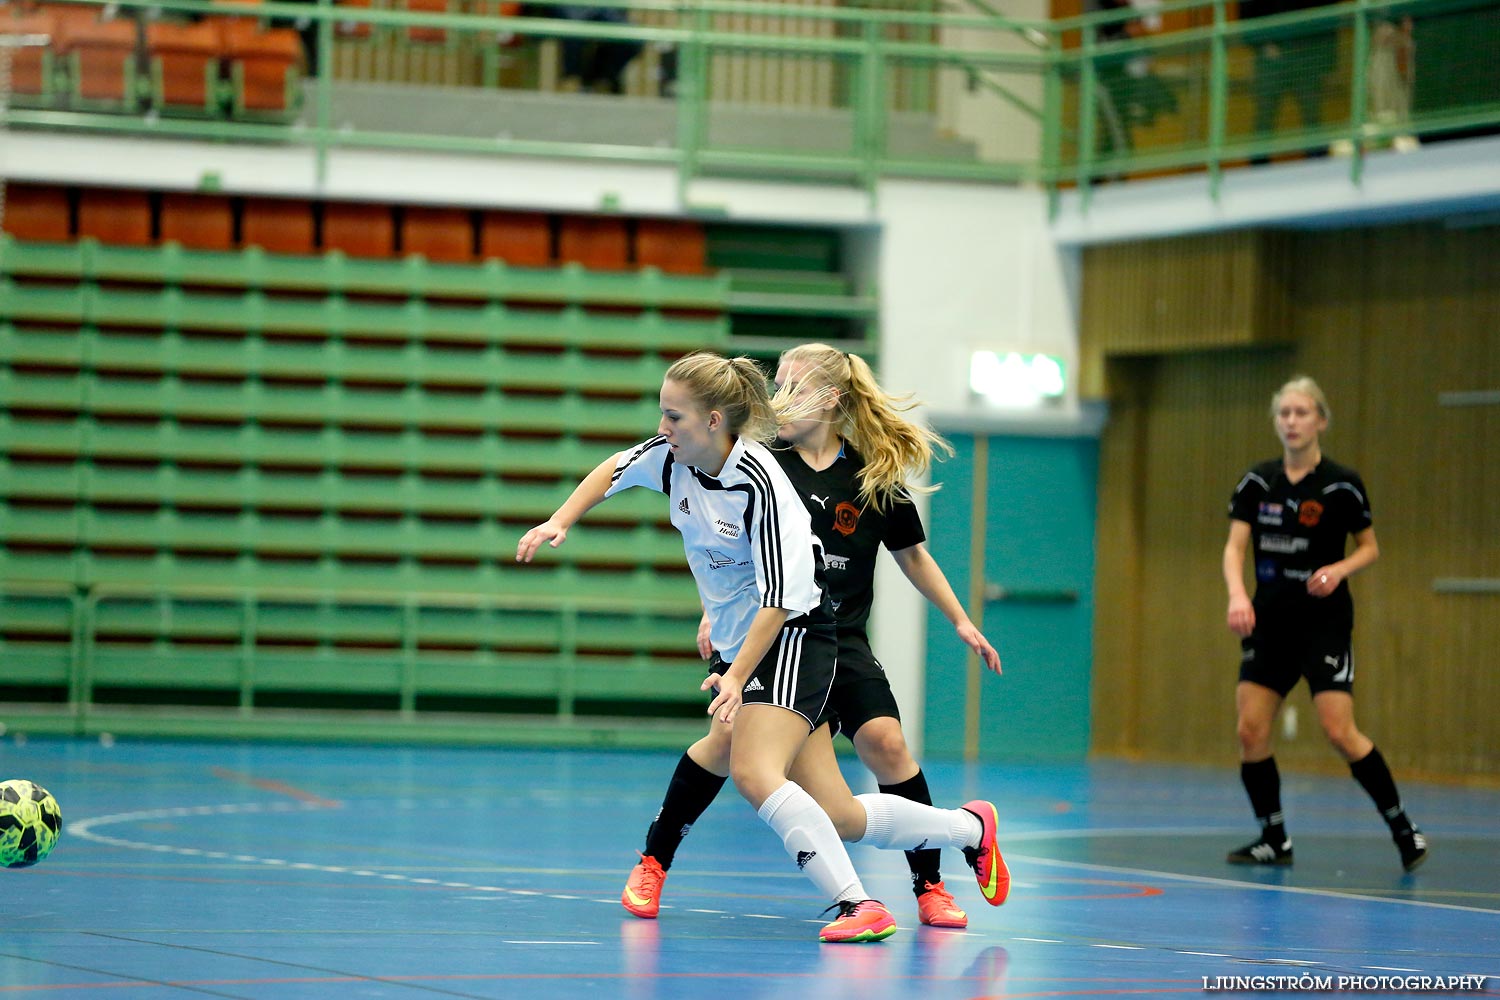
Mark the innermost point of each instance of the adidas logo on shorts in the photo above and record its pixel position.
(754, 685)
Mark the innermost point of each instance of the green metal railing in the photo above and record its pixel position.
(231, 641)
(1057, 103)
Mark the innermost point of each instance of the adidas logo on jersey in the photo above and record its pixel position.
(754, 685)
(803, 857)
(683, 506)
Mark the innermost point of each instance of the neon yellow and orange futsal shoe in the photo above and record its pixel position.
(642, 895)
(858, 921)
(989, 867)
(937, 908)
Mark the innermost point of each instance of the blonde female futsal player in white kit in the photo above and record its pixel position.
(750, 545)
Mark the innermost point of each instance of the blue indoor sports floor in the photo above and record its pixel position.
(326, 872)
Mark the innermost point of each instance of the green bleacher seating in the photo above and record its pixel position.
(247, 480)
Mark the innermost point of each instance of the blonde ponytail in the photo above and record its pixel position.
(895, 449)
(736, 387)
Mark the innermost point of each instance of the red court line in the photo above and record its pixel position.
(1137, 889)
(279, 787)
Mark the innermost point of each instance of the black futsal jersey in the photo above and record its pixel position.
(1296, 528)
(850, 531)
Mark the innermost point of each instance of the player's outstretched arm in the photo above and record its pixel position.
(927, 576)
(554, 530)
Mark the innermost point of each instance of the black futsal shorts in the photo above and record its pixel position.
(1277, 659)
(796, 673)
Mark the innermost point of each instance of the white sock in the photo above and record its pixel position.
(812, 841)
(904, 825)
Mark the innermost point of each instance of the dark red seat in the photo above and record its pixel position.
(197, 221)
(100, 54)
(359, 230)
(264, 65)
(122, 218)
(440, 234)
(677, 246)
(185, 64)
(277, 225)
(35, 212)
(522, 239)
(598, 242)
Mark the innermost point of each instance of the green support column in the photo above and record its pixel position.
(249, 625)
(1052, 128)
(1218, 100)
(1359, 96)
(409, 616)
(869, 108)
(324, 91)
(1087, 84)
(692, 100)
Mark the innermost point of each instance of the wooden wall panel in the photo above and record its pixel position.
(1386, 320)
(1117, 678)
(1186, 294)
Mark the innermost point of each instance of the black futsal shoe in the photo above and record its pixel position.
(1261, 852)
(1413, 847)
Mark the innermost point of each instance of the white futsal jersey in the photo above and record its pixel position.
(748, 538)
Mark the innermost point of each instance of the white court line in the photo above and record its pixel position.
(83, 829)
(1229, 883)
(1074, 833)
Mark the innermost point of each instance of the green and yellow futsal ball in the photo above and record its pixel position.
(30, 822)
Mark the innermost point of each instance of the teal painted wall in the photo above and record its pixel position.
(1039, 536)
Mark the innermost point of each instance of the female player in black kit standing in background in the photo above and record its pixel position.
(858, 501)
(1297, 511)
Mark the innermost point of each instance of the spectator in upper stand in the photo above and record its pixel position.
(1128, 93)
(307, 30)
(1391, 73)
(589, 63)
(1291, 61)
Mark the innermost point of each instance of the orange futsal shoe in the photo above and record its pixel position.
(937, 908)
(864, 920)
(642, 895)
(989, 866)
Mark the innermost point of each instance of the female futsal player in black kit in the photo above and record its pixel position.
(1297, 511)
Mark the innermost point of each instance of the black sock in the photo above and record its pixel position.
(925, 864)
(1375, 777)
(690, 792)
(1263, 785)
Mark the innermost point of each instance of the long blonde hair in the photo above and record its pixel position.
(895, 449)
(736, 387)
